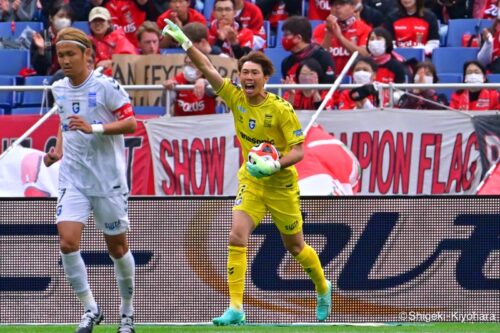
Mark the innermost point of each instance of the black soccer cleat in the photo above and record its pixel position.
(126, 324)
(89, 320)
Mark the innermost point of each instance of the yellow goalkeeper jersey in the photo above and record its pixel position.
(274, 120)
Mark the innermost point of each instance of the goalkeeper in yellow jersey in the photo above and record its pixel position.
(267, 185)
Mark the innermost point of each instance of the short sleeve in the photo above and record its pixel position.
(291, 127)
(228, 92)
(115, 95)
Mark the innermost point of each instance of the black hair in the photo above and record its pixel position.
(385, 34)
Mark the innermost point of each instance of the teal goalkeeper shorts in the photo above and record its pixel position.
(283, 204)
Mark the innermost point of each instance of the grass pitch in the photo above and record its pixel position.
(253, 328)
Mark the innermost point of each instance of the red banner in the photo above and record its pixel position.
(139, 165)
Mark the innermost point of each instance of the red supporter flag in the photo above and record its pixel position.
(328, 166)
(491, 182)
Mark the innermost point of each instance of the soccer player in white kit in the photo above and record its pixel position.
(95, 112)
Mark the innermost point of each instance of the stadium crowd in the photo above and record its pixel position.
(309, 42)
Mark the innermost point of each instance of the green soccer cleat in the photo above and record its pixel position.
(324, 303)
(230, 317)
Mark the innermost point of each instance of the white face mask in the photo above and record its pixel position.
(427, 79)
(362, 77)
(190, 73)
(474, 78)
(376, 47)
(61, 23)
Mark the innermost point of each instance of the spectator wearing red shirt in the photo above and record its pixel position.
(486, 9)
(364, 71)
(278, 10)
(107, 41)
(489, 54)
(226, 33)
(249, 16)
(308, 72)
(148, 37)
(297, 34)
(380, 46)
(127, 15)
(475, 99)
(342, 33)
(190, 103)
(181, 14)
(412, 25)
(319, 9)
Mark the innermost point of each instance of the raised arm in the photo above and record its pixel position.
(199, 59)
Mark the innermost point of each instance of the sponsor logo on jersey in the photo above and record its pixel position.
(241, 109)
(268, 120)
(298, 132)
(92, 99)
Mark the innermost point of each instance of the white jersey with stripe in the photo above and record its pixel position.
(93, 163)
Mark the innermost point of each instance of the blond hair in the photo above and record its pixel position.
(147, 26)
(74, 35)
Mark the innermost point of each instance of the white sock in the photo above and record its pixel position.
(76, 273)
(125, 272)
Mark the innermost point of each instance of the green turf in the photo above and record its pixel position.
(410, 328)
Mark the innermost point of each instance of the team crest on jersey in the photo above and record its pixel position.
(251, 124)
(75, 107)
(92, 99)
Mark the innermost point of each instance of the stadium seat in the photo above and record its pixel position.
(449, 78)
(149, 110)
(13, 60)
(12, 30)
(409, 53)
(276, 55)
(208, 8)
(82, 25)
(452, 59)
(458, 27)
(33, 110)
(174, 50)
(7, 97)
(34, 98)
(2, 112)
(494, 78)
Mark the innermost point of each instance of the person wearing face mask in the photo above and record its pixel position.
(43, 48)
(297, 34)
(489, 54)
(342, 33)
(308, 72)
(475, 99)
(363, 72)
(380, 46)
(425, 73)
(413, 25)
(191, 103)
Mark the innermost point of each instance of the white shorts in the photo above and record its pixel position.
(110, 213)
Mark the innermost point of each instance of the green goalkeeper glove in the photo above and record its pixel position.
(253, 171)
(262, 167)
(176, 33)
